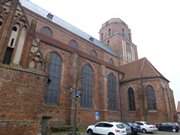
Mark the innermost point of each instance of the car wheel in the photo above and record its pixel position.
(110, 134)
(144, 130)
(174, 130)
(90, 132)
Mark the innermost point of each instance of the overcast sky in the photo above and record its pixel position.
(155, 26)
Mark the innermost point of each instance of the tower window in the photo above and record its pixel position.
(108, 42)
(102, 36)
(129, 36)
(123, 33)
(109, 32)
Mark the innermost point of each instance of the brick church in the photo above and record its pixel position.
(54, 74)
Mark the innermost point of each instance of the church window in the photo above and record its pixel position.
(131, 99)
(151, 98)
(87, 86)
(46, 31)
(54, 72)
(73, 44)
(112, 90)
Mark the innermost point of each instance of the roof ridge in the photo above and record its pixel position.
(154, 68)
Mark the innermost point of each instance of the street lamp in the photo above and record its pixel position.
(76, 94)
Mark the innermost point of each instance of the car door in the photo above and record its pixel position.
(166, 127)
(170, 127)
(98, 129)
(140, 125)
(107, 128)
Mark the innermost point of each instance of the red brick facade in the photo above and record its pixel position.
(24, 78)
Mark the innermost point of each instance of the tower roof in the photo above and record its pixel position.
(114, 20)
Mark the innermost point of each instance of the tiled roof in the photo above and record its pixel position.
(42, 12)
(138, 69)
(178, 107)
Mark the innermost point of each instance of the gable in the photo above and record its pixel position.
(141, 68)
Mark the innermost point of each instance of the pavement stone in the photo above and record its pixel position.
(161, 133)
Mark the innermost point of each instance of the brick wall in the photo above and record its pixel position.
(19, 128)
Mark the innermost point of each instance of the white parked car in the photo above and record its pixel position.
(107, 128)
(145, 127)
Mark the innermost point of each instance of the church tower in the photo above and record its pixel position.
(116, 34)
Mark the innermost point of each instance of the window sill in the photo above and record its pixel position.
(153, 111)
(51, 105)
(132, 111)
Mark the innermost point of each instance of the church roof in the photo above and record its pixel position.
(42, 12)
(178, 107)
(141, 68)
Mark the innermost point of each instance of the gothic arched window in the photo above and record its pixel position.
(151, 98)
(86, 85)
(46, 31)
(131, 100)
(73, 44)
(112, 90)
(54, 72)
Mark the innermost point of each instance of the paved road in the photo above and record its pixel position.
(161, 133)
(156, 133)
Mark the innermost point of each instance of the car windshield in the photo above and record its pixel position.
(125, 125)
(120, 126)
